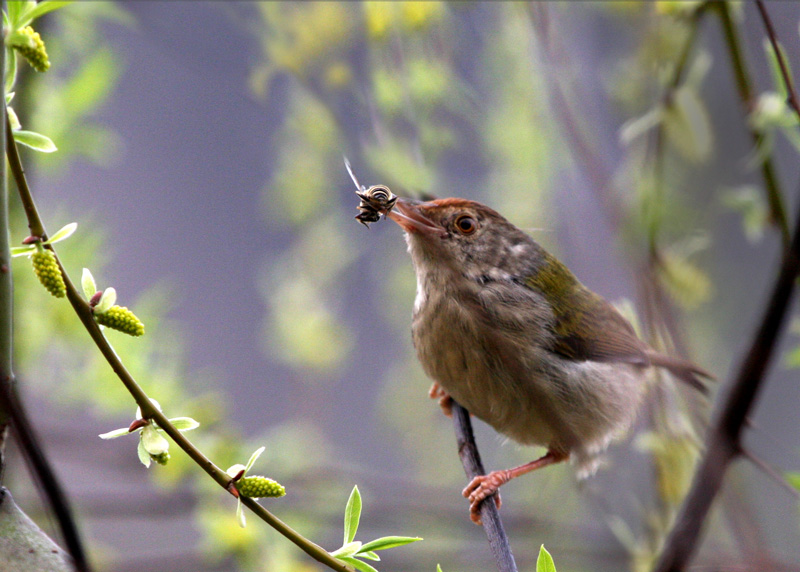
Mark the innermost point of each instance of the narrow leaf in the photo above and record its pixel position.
(352, 515)
(184, 423)
(348, 549)
(144, 456)
(358, 564)
(63, 233)
(107, 300)
(115, 433)
(44, 7)
(22, 250)
(545, 562)
(439, 568)
(256, 454)
(387, 542)
(11, 70)
(240, 514)
(35, 141)
(369, 555)
(87, 284)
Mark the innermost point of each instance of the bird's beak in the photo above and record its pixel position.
(409, 214)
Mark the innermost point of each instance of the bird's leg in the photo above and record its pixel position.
(484, 486)
(445, 401)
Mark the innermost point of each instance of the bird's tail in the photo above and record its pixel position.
(683, 369)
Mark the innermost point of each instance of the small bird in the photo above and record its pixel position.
(505, 329)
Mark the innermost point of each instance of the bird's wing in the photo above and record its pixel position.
(592, 329)
(585, 326)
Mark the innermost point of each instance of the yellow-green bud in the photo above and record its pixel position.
(36, 54)
(161, 458)
(122, 319)
(259, 487)
(48, 273)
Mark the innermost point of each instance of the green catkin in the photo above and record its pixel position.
(259, 487)
(46, 269)
(161, 458)
(121, 319)
(36, 54)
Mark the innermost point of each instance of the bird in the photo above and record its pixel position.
(506, 330)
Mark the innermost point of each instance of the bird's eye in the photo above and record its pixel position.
(465, 224)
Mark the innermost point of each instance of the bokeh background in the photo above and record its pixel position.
(201, 152)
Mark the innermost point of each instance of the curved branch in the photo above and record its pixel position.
(724, 440)
(84, 313)
(490, 516)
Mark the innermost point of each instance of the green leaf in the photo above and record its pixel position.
(793, 479)
(63, 233)
(184, 423)
(638, 126)
(152, 441)
(44, 7)
(11, 70)
(234, 470)
(256, 454)
(545, 562)
(348, 549)
(35, 141)
(358, 564)
(688, 126)
(144, 456)
(792, 358)
(438, 568)
(387, 542)
(17, 10)
(352, 514)
(369, 555)
(107, 300)
(115, 433)
(240, 518)
(87, 284)
(26, 250)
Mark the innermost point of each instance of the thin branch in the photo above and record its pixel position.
(770, 471)
(40, 467)
(775, 199)
(490, 516)
(85, 315)
(773, 38)
(6, 295)
(724, 441)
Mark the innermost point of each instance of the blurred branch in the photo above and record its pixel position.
(724, 441)
(6, 295)
(745, 89)
(773, 38)
(490, 516)
(84, 313)
(45, 477)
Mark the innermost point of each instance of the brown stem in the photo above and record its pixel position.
(84, 313)
(724, 441)
(773, 38)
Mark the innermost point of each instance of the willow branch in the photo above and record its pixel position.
(6, 296)
(84, 313)
(490, 516)
(724, 441)
(775, 200)
(773, 39)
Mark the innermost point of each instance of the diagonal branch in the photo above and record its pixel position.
(724, 441)
(490, 516)
(84, 313)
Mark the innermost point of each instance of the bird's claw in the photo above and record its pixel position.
(481, 488)
(445, 401)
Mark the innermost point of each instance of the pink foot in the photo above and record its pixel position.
(445, 401)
